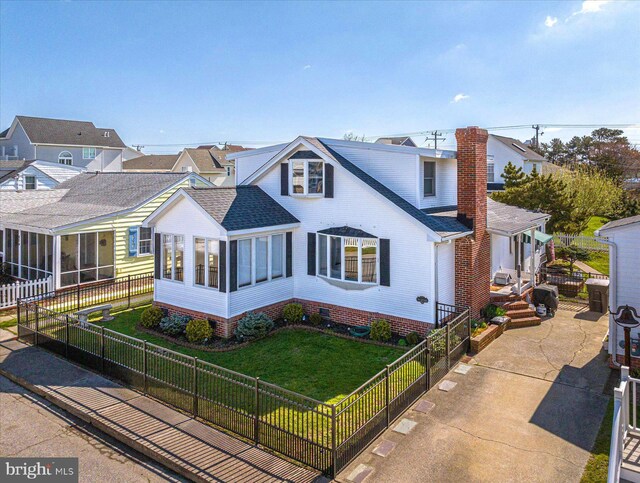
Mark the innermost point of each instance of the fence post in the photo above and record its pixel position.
(101, 348)
(195, 387)
(256, 421)
(334, 449)
(129, 291)
(144, 367)
(37, 325)
(428, 345)
(468, 331)
(387, 398)
(447, 330)
(66, 336)
(78, 296)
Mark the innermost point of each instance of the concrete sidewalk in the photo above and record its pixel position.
(179, 442)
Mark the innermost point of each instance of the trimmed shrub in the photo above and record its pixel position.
(254, 325)
(413, 338)
(380, 330)
(151, 317)
(491, 311)
(315, 319)
(402, 342)
(174, 325)
(198, 331)
(293, 313)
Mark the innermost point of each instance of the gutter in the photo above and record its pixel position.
(613, 300)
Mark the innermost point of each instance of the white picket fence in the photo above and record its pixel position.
(590, 243)
(10, 293)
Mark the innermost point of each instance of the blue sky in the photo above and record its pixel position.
(181, 72)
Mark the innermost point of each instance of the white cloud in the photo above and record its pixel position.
(460, 97)
(591, 6)
(550, 21)
(161, 131)
(307, 67)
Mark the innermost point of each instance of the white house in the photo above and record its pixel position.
(72, 143)
(624, 259)
(500, 151)
(34, 175)
(352, 230)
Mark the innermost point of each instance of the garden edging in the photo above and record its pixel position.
(481, 341)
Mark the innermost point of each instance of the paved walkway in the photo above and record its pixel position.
(528, 409)
(174, 439)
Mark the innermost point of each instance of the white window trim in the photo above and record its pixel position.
(173, 259)
(97, 267)
(85, 150)
(269, 259)
(493, 172)
(19, 263)
(35, 182)
(138, 253)
(206, 259)
(305, 193)
(68, 155)
(435, 178)
(343, 264)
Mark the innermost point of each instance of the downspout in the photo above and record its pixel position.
(613, 300)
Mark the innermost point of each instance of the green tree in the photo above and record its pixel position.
(572, 254)
(513, 177)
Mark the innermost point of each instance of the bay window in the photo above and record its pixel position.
(206, 259)
(173, 257)
(86, 257)
(260, 259)
(349, 259)
(307, 177)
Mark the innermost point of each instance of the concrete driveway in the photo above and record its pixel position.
(528, 409)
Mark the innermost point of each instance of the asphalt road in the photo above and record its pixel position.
(31, 427)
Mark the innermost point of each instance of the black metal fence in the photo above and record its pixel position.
(571, 285)
(324, 436)
(77, 297)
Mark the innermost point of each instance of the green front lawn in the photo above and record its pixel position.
(317, 365)
(597, 260)
(598, 464)
(595, 223)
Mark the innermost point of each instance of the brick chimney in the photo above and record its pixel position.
(473, 258)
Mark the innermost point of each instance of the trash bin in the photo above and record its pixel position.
(598, 290)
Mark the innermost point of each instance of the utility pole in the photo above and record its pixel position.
(537, 128)
(138, 147)
(436, 138)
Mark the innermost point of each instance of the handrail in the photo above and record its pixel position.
(620, 424)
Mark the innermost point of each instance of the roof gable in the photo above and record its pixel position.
(623, 222)
(518, 147)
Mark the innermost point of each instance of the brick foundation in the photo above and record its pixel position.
(635, 361)
(344, 315)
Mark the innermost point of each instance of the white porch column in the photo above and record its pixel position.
(56, 262)
(532, 262)
(519, 258)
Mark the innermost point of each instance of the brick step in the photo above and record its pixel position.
(521, 314)
(519, 305)
(525, 322)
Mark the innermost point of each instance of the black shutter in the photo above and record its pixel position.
(385, 266)
(328, 180)
(157, 252)
(284, 179)
(289, 250)
(233, 265)
(222, 267)
(311, 253)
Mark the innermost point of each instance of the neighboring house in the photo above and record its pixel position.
(501, 150)
(87, 228)
(326, 223)
(624, 259)
(151, 163)
(73, 143)
(210, 162)
(399, 141)
(34, 175)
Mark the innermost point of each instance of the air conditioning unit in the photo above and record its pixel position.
(501, 278)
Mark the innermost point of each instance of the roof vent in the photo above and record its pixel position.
(519, 147)
(106, 134)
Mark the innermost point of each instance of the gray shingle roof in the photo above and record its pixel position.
(523, 150)
(85, 197)
(443, 226)
(9, 169)
(69, 133)
(241, 207)
(397, 140)
(622, 222)
(347, 231)
(203, 159)
(152, 162)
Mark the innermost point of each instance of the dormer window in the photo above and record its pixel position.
(307, 177)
